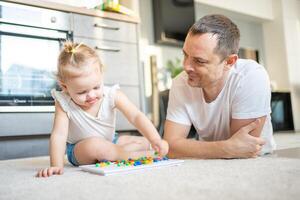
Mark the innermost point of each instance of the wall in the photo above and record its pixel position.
(251, 30)
(282, 45)
(291, 27)
(275, 49)
(260, 9)
(148, 48)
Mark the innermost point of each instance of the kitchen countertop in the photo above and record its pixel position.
(79, 10)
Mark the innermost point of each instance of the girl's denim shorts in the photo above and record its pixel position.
(70, 151)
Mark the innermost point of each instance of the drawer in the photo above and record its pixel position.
(21, 147)
(132, 93)
(25, 124)
(100, 28)
(33, 16)
(120, 60)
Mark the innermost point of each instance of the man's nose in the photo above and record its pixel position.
(187, 65)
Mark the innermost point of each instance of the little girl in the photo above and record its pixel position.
(85, 115)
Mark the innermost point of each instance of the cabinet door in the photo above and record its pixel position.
(120, 60)
(100, 28)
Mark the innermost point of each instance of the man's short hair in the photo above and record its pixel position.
(227, 33)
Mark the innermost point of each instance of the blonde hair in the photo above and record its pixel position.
(74, 59)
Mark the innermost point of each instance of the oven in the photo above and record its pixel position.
(30, 42)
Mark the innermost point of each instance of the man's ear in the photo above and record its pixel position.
(231, 60)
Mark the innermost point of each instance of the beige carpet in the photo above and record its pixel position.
(270, 177)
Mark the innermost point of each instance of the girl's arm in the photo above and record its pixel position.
(141, 122)
(136, 117)
(58, 140)
(58, 137)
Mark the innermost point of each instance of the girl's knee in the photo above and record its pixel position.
(92, 146)
(99, 149)
(124, 139)
(104, 150)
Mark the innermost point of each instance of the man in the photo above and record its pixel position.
(226, 99)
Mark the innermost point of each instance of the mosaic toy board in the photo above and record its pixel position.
(114, 169)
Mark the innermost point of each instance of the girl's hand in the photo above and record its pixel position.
(160, 146)
(50, 171)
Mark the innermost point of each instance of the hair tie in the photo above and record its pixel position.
(73, 49)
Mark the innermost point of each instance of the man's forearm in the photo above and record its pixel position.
(198, 149)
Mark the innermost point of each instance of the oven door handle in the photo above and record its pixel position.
(10, 22)
(9, 28)
(59, 36)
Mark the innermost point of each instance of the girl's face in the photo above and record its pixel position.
(87, 89)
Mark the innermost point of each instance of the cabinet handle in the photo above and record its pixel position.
(106, 27)
(107, 49)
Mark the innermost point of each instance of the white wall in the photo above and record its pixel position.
(275, 49)
(254, 8)
(291, 26)
(148, 47)
(282, 45)
(251, 30)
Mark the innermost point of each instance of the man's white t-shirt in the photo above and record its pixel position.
(245, 95)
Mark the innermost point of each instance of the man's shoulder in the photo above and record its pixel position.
(249, 68)
(244, 66)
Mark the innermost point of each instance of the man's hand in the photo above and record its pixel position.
(50, 171)
(160, 146)
(242, 144)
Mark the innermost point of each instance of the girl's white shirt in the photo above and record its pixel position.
(83, 125)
